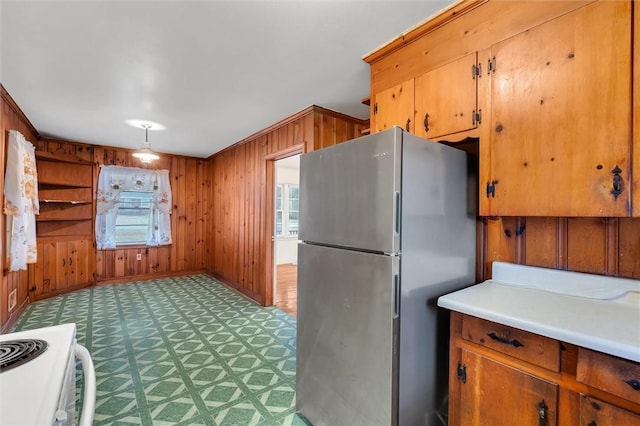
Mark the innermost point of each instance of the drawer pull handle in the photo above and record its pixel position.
(514, 342)
(635, 384)
(542, 413)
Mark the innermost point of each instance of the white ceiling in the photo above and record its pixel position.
(212, 72)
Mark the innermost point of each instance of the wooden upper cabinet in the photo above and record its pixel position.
(560, 122)
(446, 98)
(394, 107)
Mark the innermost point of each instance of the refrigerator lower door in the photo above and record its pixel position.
(346, 346)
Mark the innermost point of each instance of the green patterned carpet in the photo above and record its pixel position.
(180, 351)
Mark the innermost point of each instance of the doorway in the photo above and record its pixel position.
(285, 245)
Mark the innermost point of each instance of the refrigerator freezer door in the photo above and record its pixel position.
(350, 193)
(345, 337)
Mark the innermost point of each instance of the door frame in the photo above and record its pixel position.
(269, 235)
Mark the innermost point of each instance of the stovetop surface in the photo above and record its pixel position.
(14, 353)
(30, 391)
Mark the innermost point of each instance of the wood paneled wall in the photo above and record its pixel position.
(604, 246)
(12, 119)
(189, 189)
(239, 235)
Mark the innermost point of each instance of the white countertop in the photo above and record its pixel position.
(593, 311)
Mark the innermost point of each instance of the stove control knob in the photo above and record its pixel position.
(61, 417)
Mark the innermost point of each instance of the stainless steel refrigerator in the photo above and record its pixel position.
(387, 225)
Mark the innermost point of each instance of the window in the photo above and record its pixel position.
(133, 206)
(294, 202)
(132, 220)
(287, 210)
(279, 191)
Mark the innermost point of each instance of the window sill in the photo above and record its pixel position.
(133, 246)
(287, 238)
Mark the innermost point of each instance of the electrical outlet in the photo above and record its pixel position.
(13, 299)
(138, 256)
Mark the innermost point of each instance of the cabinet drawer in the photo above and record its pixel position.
(530, 347)
(599, 413)
(614, 375)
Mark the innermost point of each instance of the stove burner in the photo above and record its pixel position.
(16, 352)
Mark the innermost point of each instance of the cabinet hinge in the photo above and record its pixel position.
(491, 65)
(462, 372)
(491, 188)
(476, 117)
(476, 71)
(375, 108)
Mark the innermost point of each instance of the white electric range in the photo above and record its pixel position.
(39, 389)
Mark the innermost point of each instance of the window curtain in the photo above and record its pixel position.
(115, 179)
(21, 201)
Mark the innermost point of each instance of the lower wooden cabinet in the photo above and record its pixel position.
(597, 413)
(495, 394)
(62, 265)
(503, 376)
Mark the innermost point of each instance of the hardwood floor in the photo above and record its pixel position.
(286, 293)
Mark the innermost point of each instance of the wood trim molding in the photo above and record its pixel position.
(298, 115)
(270, 183)
(254, 297)
(428, 25)
(124, 280)
(14, 106)
(287, 152)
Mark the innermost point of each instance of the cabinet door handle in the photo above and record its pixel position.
(426, 122)
(635, 384)
(499, 339)
(408, 127)
(617, 182)
(542, 413)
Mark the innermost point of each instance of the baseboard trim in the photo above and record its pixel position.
(233, 286)
(129, 278)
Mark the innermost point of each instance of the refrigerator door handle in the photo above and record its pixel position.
(396, 212)
(396, 296)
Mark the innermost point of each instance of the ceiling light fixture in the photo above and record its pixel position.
(144, 154)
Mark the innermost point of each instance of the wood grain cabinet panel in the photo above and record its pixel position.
(446, 98)
(494, 394)
(520, 344)
(598, 413)
(613, 375)
(62, 266)
(560, 117)
(394, 107)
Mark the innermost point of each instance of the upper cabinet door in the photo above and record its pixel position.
(445, 98)
(560, 121)
(394, 107)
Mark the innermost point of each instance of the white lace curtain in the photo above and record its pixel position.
(21, 201)
(115, 179)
